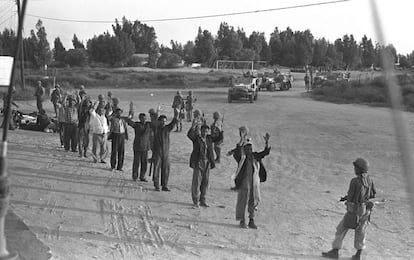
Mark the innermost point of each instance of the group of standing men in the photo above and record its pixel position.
(78, 115)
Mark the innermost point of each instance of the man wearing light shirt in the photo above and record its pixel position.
(99, 128)
(119, 134)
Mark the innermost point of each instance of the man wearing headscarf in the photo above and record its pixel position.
(249, 174)
(361, 190)
(161, 151)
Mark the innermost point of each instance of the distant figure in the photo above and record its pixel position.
(217, 134)
(161, 151)
(178, 106)
(71, 124)
(13, 113)
(178, 100)
(189, 105)
(99, 128)
(306, 79)
(55, 98)
(39, 94)
(109, 104)
(358, 207)
(118, 133)
(83, 125)
(141, 146)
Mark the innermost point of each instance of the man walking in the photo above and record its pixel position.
(141, 146)
(161, 150)
(83, 107)
(358, 206)
(247, 179)
(99, 128)
(201, 161)
(39, 94)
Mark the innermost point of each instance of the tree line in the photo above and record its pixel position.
(117, 48)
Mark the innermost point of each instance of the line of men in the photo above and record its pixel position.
(207, 140)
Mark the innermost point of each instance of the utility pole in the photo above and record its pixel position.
(4, 180)
(21, 51)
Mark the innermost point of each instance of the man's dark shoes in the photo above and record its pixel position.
(204, 204)
(165, 189)
(242, 224)
(234, 188)
(102, 161)
(252, 224)
(157, 188)
(143, 179)
(333, 254)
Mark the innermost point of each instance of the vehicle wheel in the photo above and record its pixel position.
(251, 99)
(229, 99)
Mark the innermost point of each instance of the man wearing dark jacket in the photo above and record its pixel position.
(161, 151)
(201, 161)
(141, 146)
(250, 172)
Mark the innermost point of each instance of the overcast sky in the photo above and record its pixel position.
(331, 21)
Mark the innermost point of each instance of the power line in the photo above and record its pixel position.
(194, 17)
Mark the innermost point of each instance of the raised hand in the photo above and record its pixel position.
(266, 138)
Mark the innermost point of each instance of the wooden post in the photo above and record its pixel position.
(21, 51)
(4, 181)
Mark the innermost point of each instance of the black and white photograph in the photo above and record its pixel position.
(217, 130)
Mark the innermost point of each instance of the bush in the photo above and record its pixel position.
(76, 57)
(169, 60)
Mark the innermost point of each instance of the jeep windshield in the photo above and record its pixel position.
(244, 81)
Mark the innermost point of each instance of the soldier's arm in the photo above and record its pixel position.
(171, 125)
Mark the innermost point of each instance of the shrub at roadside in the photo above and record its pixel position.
(374, 93)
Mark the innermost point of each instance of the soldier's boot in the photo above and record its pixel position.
(333, 254)
(358, 255)
(252, 224)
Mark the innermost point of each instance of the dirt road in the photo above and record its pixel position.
(84, 211)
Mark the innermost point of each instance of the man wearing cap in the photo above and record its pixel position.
(161, 151)
(118, 133)
(361, 190)
(216, 132)
(247, 179)
(39, 94)
(201, 161)
(141, 146)
(98, 125)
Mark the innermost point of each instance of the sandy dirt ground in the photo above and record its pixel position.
(83, 210)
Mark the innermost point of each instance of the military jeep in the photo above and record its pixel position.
(243, 88)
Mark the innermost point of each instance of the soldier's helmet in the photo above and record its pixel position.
(216, 115)
(362, 164)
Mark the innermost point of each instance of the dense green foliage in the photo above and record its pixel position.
(284, 47)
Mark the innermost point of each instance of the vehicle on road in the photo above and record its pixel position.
(283, 81)
(243, 88)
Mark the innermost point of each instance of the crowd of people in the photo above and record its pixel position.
(78, 117)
